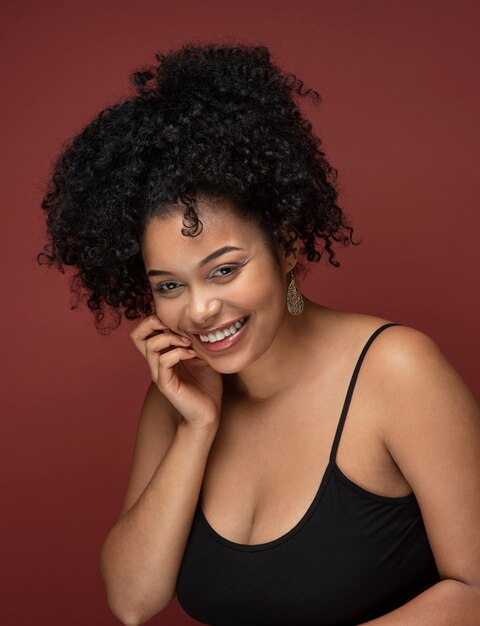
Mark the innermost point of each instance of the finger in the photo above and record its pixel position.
(146, 326)
(163, 340)
(159, 345)
(147, 329)
(166, 363)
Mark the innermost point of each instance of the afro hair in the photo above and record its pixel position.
(214, 120)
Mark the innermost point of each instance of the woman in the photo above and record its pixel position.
(251, 496)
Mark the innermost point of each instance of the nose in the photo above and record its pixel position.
(202, 308)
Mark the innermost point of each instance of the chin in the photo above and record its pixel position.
(226, 368)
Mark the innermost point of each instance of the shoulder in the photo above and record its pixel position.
(430, 415)
(398, 347)
(431, 428)
(404, 351)
(408, 360)
(412, 373)
(412, 377)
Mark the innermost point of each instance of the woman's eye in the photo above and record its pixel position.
(160, 288)
(231, 268)
(166, 286)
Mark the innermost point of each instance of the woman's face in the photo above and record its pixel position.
(200, 288)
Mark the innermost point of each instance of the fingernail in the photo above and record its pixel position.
(186, 339)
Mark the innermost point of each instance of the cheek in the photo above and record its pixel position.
(167, 314)
(270, 306)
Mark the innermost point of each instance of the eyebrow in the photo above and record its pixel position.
(203, 262)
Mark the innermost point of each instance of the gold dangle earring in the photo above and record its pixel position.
(294, 297)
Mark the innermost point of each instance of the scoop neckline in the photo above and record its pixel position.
(245, 547)
(332, 468)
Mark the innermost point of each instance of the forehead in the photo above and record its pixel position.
(163, 239)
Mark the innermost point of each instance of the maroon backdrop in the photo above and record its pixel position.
(399, 120)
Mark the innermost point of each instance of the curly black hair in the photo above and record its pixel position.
(213, 120)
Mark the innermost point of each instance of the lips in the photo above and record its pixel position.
(223, 345)
(227, 325)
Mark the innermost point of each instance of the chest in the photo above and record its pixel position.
(267, 462)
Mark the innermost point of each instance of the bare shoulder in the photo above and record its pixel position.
(403, 365)
(402, 353)
(350, 330)
(400, 357)
(396, 343)
(431, 422)
(420, 386)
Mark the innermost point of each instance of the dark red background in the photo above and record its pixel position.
(399, 120)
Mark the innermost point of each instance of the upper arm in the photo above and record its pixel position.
(155, 432)
(432, 431)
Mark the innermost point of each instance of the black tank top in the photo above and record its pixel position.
(354, 556)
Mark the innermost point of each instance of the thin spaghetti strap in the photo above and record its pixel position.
(351, 387)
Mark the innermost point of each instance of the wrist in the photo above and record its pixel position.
(206, 430)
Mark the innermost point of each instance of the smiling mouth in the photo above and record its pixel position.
(225, 333)
(222, 328)
(225, 343)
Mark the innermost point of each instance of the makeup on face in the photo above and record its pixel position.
(198, 292)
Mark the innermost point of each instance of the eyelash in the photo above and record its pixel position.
(158, 288)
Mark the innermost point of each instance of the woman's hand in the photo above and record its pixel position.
(193, 387)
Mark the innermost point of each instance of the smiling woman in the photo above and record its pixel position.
(207, 296)
(193, 206)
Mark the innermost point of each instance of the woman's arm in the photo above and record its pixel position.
(141, 556)
(448, 603)
(432, 431)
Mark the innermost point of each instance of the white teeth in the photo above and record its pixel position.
(218, 335)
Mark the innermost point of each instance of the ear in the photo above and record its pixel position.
(288, 261)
